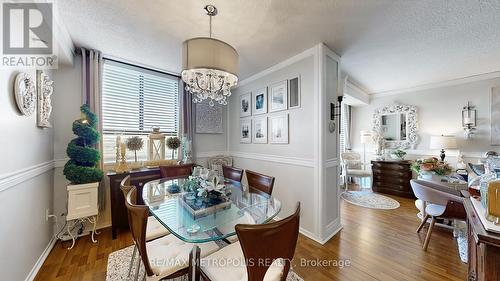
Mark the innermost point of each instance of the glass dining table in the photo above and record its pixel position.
(189, 218)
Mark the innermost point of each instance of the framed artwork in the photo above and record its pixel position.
(294, 93)
(246, 130)
(279, 96)
(260, 130)
(245, 105)
(495, 115)
(259, 101)
(279, 128)
(209, 119)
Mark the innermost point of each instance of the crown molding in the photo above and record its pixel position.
(307, 53)
(447, 83)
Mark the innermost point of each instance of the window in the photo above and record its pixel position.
(134, 100)
(344, 126)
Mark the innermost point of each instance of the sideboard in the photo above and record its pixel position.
(392, 177)
(119, 218)
(484, 248)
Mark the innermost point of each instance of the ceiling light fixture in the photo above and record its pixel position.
(210, 67)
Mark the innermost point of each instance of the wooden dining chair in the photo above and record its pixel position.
(176, 171)
(166, 257)
(259, 182)
(154, 228)
(439, 204)
(232, 173)
(270, 246)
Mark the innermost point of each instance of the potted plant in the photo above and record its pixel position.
(173, 143)
(431, 168)
(82, 169)
(398, 154)
(135, 144)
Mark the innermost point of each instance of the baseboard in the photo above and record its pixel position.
(34, 271)
(333, 228)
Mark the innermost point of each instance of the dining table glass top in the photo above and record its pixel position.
(196, 218)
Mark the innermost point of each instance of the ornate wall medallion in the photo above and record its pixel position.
(24, 91)
(45, 89)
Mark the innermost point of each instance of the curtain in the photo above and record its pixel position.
(187, 117)
(92, 64)
(346, 113)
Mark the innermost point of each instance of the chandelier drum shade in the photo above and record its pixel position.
(210, 67)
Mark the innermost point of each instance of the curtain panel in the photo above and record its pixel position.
(92, 65)
(187, 117)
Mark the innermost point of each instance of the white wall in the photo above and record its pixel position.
(439, 112)
(293, 165)
(25, 185)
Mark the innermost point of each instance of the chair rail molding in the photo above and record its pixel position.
(304, 162)
(12, 179)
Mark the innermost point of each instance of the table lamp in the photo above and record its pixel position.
(365, 137)
(443, 142)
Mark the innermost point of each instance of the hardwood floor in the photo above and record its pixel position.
(377, 245)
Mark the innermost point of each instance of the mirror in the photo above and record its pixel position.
(396, 125)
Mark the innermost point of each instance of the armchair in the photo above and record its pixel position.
(352, 166)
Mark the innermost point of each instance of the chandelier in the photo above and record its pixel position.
(210, 67)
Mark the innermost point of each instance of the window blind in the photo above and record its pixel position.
(134, 100)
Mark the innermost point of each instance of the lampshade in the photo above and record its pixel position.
(443, 142)
(366, 137)
(209, 53)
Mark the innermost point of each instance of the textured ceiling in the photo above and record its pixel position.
(385, 45)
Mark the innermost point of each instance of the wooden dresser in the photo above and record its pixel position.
(119, 218)
(484, 248)
(392, 177)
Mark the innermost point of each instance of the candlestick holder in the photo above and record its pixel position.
(122, 167)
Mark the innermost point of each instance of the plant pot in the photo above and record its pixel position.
(430, 177)
(82, 200)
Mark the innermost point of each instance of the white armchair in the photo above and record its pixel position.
(352, 166)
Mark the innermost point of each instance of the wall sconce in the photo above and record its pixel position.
(335, 112)
(468, 120)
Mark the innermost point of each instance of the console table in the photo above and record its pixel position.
(392, 177)
(138, 178)
(484, 248)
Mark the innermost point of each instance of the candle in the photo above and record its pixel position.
(468, 120)
(123, 149)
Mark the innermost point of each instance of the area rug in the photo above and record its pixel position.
(370, 200)
(119, 261)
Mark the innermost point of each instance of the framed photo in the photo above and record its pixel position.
(260, 130)
(279, 96)
(246, 130)
(245, 105)
(279, 128)
(259, 101)
(294, 93)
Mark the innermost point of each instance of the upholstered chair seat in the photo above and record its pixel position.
(245, 219)
(234, 268)
(155, 229)
(169, 254)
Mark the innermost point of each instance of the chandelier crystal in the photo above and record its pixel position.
(210, 67)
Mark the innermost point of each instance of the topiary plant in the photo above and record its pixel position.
(82, 166)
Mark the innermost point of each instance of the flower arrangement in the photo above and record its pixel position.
(431, 165)
(173, 143)
(135, 144)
